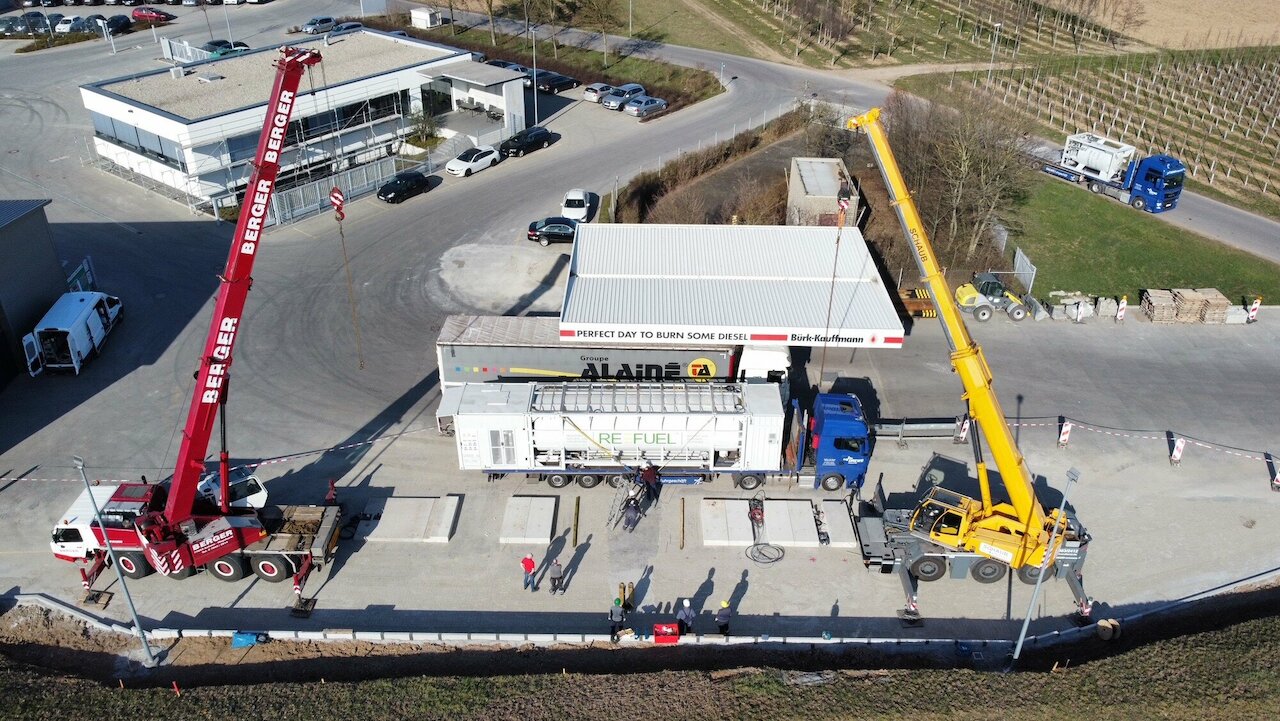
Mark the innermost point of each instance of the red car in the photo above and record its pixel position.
(147, 14)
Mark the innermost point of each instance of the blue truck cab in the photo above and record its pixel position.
(1155, 183)
(837, 442)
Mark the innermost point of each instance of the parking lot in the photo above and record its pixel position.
(362, 413)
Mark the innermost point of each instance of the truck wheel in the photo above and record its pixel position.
(184, 573)
(750, 482)
(133, 564)
(272, 569)
(1095, 187)
(929, 568)
(1139, 203)
(229, 568)
(615, 480)
(982, 313)
(558, 480)
(988, 571)
(1029, 574)
(588, 481)
(1017, 312)
(832, 482)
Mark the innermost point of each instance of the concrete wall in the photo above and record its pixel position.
(31, 279)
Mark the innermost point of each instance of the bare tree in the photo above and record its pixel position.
(493, 30)
(681, 206)
(603, 16)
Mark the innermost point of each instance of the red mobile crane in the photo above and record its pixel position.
(180, 526)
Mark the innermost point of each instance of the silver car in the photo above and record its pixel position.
(644, 105)
(595, 92)
(621, 95)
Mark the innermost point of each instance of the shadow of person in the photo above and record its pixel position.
(699, 598)
(553, 552)
(571, 568)
(642, 588)
(739, 590)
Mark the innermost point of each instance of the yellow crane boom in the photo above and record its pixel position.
(1018, 532)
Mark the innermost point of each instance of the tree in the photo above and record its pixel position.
(493, 30)
(600, 15)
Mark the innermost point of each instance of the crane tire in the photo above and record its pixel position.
(228, 568)
(832, 482)
(750, 482)
(929, 568)
(588, 481)
(988, 571)
(1030, 574)
(133, 564)
(271, 568)
(184, 573)
(982, 313)
(558, 480)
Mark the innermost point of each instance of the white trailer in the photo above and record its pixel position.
(1097, 157)
(72, 331)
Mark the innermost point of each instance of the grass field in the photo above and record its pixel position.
(1080, 241)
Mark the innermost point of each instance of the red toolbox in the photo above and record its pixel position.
(666, 633)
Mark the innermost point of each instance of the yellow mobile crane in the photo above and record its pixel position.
(946, 528)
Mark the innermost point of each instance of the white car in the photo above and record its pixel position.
(320, 24)
(595, 92)
(473, 160)
(576, 205)
(644, 105)
(70, 24)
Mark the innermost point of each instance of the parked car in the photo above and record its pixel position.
(91, 24)
(320, 24)
(404, 186)
(190, 3)
(171, 2)
(45, 23)
(117, 24)
(7, 25)
(576, 205)
(70, 24)
(528, 139)
(644, 105)
(622, 95)
(50, 3)
(30, 3)
(93, 2)
(347, 27)
(555, 82)
(553, 230)
(473, 160)
(148, 14)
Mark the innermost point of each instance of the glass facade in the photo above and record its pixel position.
(140, 141)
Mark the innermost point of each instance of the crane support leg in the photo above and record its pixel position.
(90, 576)
(1084, 604)
(909, 616)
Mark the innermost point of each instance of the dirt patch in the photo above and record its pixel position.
(1177, 24)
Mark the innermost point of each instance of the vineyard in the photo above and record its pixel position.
(1216, 110)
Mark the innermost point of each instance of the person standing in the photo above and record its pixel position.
(722, 618)
(617, 617)
(649, 476)
(528, 564)
(685, 618)
(556, 574)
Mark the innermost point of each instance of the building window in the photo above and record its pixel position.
(143, 142)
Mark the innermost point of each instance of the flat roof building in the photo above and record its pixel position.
(193, 129)
(31, 278)
(813, 189)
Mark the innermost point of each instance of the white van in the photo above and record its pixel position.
(74, 329)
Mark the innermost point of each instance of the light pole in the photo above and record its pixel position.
(995, 40)
(111, 553)
(533, 31)
(227, 17)
(630, 18)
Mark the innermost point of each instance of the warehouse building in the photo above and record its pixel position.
(191, 131)
(31, 278)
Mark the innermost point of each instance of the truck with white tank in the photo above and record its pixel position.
(72, 332)
(690, 432)
(486, 349)
(1109, 167)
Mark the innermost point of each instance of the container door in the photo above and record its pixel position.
(35, 364)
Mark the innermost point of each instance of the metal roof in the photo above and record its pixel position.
(755, 285)
(819, 176)
(475, 73)
(637, 398)
(13, 210)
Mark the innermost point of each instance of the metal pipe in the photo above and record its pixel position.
(1073, 475)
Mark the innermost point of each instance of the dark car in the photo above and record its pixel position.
(553, 230)
(404, 186)
(148, 14)
(117, 24)
(555, 82)
(525, 140)
(50, 3)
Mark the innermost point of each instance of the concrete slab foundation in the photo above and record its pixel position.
(839, 524)
(790, 524)
(725, 522)
(409, 520)
(529, 519)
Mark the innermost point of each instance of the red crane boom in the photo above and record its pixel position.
(177, 540)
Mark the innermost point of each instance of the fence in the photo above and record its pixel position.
(180, 51)
(1023, 269)
(305, 200)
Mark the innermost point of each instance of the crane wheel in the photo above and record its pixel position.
(1030, 574)
(982, 313)
(133, 564)
(750, 482)
(558, 480)
(832, 482)
(929, 568)
(272, 569)
(228, 568)
(615, 480)
(988, 571)
(184, 573)
(588, 481)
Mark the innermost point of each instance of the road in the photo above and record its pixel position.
(301, 387)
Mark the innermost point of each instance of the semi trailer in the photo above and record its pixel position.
(691, 432)
(486, 349)
(1109, 167)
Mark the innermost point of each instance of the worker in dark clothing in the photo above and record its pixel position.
(617, 617)
(631, 514)
(685, 618)
(722, 618)
(649, 476)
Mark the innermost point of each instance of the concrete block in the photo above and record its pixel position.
(455, 637)
(543, 639)
(397, 636)
(409, 520)
(1237, 316)
(839, 524)
(340, 634)
(529, 519)
(164, 633)
(443, 519)
(282, 635)
(424, 637)
(311, 635)
(725, 522)
(221, 634)
(368, 635)
(487, 636)
(790, 523)
(1107, 307)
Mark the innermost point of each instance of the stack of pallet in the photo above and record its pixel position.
(1215, 307)
(1188, 305)
(1158, 305)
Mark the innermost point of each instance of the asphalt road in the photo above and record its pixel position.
(300, 384)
